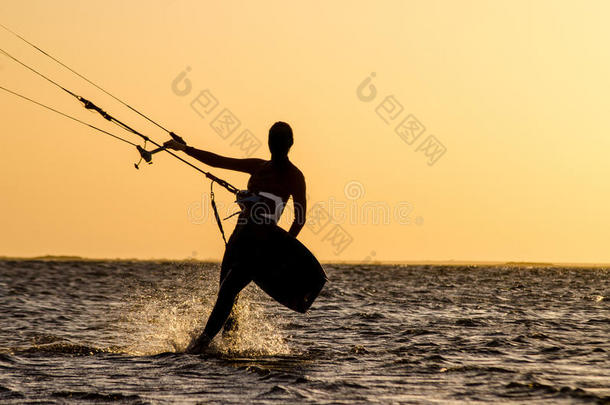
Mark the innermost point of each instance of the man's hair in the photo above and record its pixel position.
(280, 138)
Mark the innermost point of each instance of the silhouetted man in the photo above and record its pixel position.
(271, 184)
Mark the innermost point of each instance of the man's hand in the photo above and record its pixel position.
(175, 145)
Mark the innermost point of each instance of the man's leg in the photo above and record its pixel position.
(235, 249)
(230, 324)
(233, 282)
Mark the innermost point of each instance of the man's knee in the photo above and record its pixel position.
(228, 292)
(233, 282)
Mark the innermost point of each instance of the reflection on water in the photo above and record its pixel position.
(90, 331)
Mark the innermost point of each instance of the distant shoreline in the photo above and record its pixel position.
(460, 263)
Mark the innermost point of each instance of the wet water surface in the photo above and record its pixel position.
(100, 331)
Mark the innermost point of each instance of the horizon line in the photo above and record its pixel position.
(449, 262)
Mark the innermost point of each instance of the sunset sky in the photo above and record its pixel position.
(516, 94)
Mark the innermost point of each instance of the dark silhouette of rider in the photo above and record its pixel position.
(271, 184)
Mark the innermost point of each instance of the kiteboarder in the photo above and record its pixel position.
(271, 184)
(258, 249)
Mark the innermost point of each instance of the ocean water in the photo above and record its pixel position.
(115, 331)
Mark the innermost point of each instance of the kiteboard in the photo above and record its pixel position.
(280, 265)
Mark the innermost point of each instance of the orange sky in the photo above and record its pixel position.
(516, 92)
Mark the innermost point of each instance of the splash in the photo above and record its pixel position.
(257, 333)
(160, 319)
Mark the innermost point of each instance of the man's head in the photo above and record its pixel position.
(280, 139)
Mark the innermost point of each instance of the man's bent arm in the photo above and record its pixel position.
(300, 208)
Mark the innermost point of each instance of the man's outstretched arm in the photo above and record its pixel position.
(214, 160)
